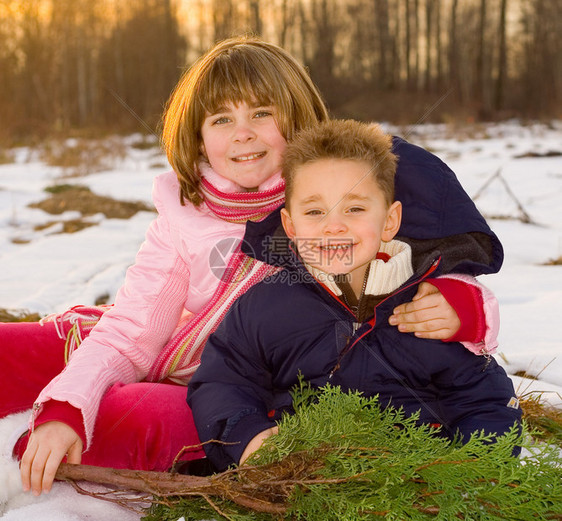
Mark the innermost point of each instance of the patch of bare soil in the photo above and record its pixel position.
(18, 316)
(81, 199)
(550, 153)
(70, 226)
(78, 157)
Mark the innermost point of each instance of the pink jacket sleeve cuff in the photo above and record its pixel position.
(477, 309)
(54, 410)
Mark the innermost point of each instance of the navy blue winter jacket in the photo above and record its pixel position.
(289, 325)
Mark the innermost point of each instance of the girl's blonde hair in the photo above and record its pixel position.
(241, 69)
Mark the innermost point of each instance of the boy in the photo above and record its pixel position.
(325, 315)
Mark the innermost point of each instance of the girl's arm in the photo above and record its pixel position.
(121, 348)
(452, 308)
(123, 345)
(126, 341)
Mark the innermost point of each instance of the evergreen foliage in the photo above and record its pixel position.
(341, 457)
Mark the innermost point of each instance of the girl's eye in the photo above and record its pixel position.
(313, 213)
(221, 120)
(356, 209)
(263, 113)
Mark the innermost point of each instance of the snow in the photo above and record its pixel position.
(46, 272)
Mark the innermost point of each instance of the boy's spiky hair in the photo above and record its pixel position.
(343, 139)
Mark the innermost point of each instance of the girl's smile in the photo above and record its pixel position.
(243, 143)
(241, 159)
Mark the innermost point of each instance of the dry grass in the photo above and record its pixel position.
(6, 156)
(18, 315)
(545, 419)
(70, 226)
(77, 198)
(81, 199)
(79, 156)
(554, 262)
(525, 374)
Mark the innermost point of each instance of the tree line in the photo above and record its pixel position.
(111, 64)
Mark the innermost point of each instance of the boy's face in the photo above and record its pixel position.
(337, 216)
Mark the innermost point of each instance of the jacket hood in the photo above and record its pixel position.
(439, 219)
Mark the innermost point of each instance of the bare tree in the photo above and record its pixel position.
(75, 63)
(225, 19)
(416, 44)
(408, 43)
(322, 41)
(138, 77)
(502, 60)
(255, 16)
(540, 76)
(454, 54)
(438, 47)
(429, 32)
(287, 14)
(384, 43)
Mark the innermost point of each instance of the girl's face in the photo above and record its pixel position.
(243, 143)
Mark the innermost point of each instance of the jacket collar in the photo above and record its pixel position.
(385, 276)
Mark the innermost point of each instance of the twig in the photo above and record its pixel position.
(445, 462)
(164, 484)
(159, 483)
(215, 507)
(125, 503)
(526, 218)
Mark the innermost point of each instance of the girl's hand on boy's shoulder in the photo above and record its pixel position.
(47, 446)
(429, 315)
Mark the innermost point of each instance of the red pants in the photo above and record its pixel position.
(139, 426)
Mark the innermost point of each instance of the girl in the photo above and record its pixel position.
(225, 130)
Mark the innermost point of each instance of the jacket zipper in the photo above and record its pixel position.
(356, 325)
(36, 409)
(355, 309)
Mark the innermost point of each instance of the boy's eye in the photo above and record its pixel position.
(313, 212)
(356, 209)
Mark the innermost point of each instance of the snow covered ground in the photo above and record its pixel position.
(512, 171)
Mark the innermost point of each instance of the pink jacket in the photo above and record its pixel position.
(171, 276)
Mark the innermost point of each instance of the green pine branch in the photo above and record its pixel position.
(341, 457)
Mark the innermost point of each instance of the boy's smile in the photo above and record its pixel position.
(243, 143)
(337, 217)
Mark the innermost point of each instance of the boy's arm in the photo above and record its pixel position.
(230, 391)
(452, 308)
(475, 393)
(256, 442)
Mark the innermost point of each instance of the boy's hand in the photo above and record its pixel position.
(429, 315)
(47, 447)
(256, 442)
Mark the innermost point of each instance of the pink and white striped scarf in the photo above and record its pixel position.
(181, 356)
(237, 206)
